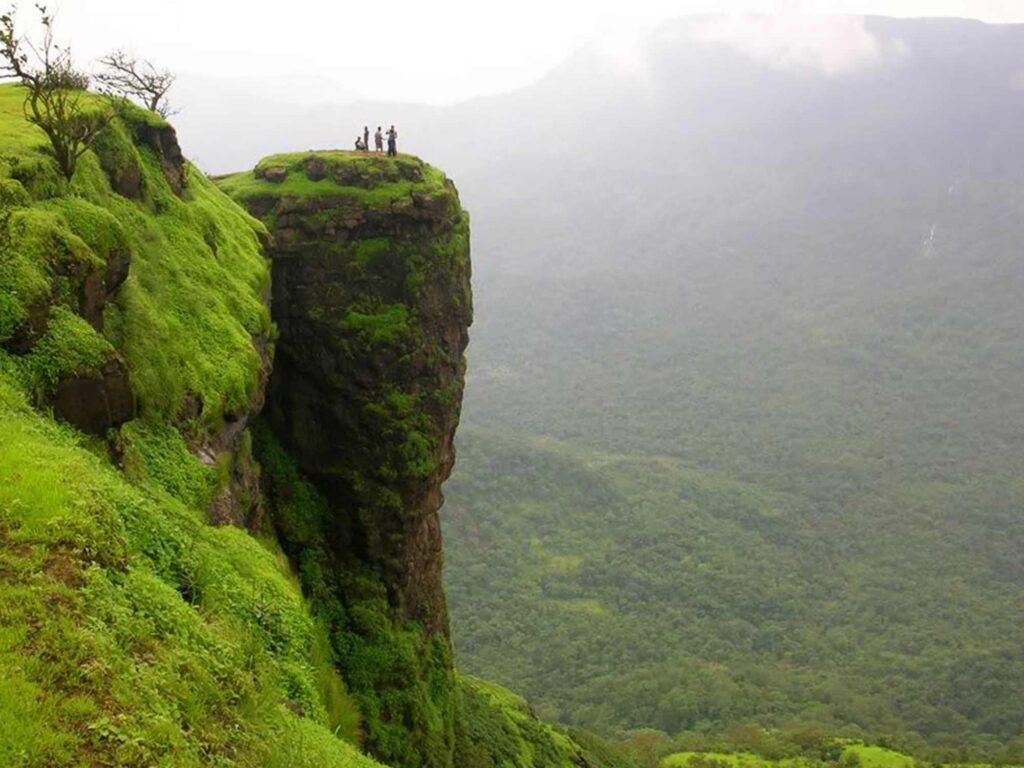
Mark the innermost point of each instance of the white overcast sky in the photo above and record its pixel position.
(435, 51)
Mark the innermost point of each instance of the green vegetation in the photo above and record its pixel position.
(131, 632)
(497, 729)
(369, 180)
(374, 265)
(185, 319)
(387, 326)
(158, 454)
(55, 97)
(624, 591)
(186, 324)
(760, 385)
(400, 677)
(69, 347)
(838, 754)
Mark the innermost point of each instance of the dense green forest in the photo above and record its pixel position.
(744, 425)
(622, 591)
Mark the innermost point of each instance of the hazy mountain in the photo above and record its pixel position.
(805, 282)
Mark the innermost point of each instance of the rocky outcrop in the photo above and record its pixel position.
(124, 168)
(239, 501)
(163, 140)
(372, 299)
(97, 400)
(371, 296)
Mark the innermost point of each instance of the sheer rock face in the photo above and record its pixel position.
(98, 400)
(371, 296)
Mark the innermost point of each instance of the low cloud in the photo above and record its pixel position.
(831, 45)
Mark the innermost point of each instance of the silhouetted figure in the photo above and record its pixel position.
(360, 147)
(366, 137)
(392, 141)
(378, 140)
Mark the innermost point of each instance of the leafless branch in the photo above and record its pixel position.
(131, 77)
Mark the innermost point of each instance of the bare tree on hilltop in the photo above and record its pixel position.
(131, 77)
(56, 98)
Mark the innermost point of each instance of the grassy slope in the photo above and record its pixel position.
(132, 632)
(185, 318)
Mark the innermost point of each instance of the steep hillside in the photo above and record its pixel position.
(132, 631)
(164, 598)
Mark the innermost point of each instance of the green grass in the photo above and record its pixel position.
(367, 250)
(131, 632)
(70, 347)
(877, 757)
(389, 179)
(155, 453)
(388, 325)
(186, 317)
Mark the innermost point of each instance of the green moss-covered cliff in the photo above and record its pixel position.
(372, 298)
(371, 295)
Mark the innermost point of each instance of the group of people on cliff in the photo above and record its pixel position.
(363, 142)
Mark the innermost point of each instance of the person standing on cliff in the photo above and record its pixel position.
(366, 138)
(378, 140)
(392, 142)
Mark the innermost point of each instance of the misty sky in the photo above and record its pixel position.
(411, 50)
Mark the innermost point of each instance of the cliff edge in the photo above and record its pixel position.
(371, 295)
